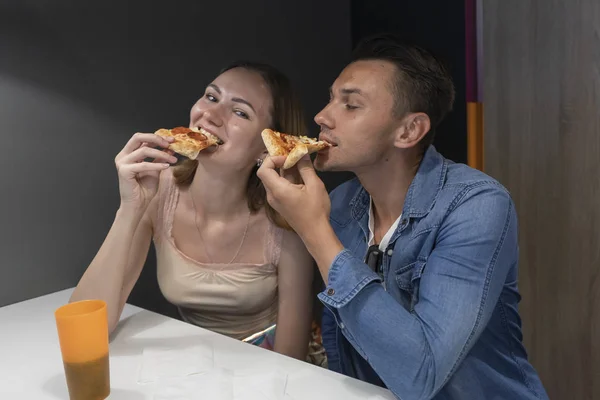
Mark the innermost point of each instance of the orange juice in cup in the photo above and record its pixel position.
(83, 336)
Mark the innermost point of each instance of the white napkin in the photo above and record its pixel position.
(175, 362)
(220, 384)
(259, 385)
(214, 385)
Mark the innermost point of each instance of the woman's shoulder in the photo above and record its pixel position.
(291, 242)
(287, 245)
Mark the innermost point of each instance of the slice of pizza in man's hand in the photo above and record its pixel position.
(189, 142)
(294, 147)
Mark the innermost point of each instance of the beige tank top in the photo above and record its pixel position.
(236, 299)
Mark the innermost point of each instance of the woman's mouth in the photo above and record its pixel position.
(209, 134)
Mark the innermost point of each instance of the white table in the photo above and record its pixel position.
(31, 364)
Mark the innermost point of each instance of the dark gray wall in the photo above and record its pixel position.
(77, 79)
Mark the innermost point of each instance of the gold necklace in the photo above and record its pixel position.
(204, 242)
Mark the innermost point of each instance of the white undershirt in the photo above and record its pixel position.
(387, 237)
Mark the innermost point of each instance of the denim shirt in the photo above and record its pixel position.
(443, 322)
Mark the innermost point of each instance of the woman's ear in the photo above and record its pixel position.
(261, 158)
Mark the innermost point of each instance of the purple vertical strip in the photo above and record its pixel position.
(479, 54)
(471, 51)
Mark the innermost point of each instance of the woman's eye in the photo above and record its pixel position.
(351, 107)
(241, 114)
(210, 97)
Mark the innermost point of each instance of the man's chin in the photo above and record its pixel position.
(321, 163)
(325, 165)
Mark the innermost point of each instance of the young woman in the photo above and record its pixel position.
(224, 257)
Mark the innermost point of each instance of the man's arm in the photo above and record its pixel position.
(415, 353)
(324, 245)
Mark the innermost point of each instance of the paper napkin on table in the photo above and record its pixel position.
(259, 385)
(175, 362)
(214, 385)
(220, 384)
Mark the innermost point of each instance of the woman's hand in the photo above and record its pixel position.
(138, 179)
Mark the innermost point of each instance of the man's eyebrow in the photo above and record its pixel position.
(347, 91)
(352, 91)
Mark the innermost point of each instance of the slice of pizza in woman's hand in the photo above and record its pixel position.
(294, 147)
(189, 142)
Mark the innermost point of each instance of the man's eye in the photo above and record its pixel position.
(350, 107)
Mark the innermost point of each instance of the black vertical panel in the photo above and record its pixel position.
(438, 25)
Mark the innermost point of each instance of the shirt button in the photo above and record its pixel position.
(330, 292)
(390, 252)
(342, 326)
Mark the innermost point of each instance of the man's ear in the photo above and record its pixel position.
(411, 130)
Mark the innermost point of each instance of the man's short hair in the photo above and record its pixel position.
(422, 84)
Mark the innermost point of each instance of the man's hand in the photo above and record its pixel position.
(304, 204)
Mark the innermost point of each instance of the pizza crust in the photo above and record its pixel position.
(189, 142)
(294, 147)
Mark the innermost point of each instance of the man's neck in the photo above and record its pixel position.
(387, 183)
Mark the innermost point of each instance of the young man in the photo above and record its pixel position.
(419, 254)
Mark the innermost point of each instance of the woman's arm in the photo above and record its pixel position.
(117, 266)
(295, 298)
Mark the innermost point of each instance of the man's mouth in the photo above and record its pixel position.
(327, 140)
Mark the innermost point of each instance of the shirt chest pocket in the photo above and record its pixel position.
(408, 278)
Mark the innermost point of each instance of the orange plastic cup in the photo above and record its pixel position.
(83, 336)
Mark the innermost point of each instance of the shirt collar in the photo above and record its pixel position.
(422, 191)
